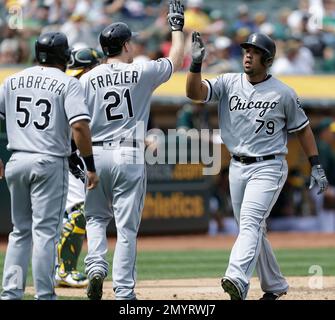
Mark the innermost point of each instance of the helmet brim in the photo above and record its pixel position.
(246, 45)
(74, 72)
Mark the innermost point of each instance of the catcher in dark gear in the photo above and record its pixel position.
(74, 223)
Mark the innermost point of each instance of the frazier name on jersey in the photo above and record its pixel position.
(115, 78)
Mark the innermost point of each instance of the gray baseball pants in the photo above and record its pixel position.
(254, 190)
(38, 186)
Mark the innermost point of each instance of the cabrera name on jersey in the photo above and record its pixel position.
(118, 97)
(254, 119)
(39, 105)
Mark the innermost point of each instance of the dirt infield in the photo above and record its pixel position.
(208, 289)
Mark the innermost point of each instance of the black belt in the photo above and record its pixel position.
(122, 143)
(249, 160)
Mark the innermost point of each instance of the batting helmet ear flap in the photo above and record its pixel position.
(267, 61)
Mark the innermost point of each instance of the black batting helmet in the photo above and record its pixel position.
(262, 42)
(113, 37)
(52, 48)
(81, 59)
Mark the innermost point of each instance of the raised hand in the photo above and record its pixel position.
(198, 48)
(176, 15)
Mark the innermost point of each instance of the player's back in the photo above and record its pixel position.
(118, 96)
(35, 114)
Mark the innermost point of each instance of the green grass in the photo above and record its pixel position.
(153, 265)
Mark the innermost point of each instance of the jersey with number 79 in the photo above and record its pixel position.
(118, 96)
(254, 119)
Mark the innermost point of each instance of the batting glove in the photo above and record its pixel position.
(176, 15)
(198, 48)
(76, 166)
(318, 176)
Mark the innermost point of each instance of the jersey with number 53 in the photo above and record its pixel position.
(118, 96)
(254, 119)
(39, 105)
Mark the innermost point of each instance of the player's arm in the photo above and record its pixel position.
(2, 171)
(308, 144)
(78, 115)
(307, 141)
(195, 88)
(82, 137)
(176, 21)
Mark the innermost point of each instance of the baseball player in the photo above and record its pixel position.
(41, 105)
(74, 223)
(118, 95)
(256, 111)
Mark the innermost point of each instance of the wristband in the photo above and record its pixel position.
(89, 162)
(314, 160)
(195, 67)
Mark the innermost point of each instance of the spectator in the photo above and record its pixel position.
(281, 28)
(244, 20)
(114, 6)
(139, 48)
(329, 16)
(217, 24)
(77, 29)
(328, 62)
(296, 16)
(263, 25)
(36, 17)
(312, 41)
(195, 16)
(223, 62)
(94, 13)
(58, 13)
(325, 203)
(296, 60)
(239, 36)
(133, 12)
(157, 32)
(328, 22)
(9, 51)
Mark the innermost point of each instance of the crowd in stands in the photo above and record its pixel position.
(304, 29)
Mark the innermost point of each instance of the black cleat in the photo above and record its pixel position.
(231, 288)
(272, 296)
(94, 289)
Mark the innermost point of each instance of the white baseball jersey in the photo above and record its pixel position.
(254, 119)
(39, 105)
(119, 94)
